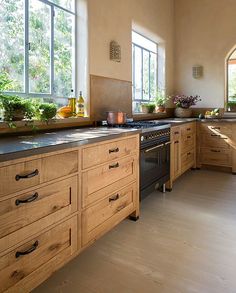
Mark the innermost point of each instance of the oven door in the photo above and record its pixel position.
(155, 165)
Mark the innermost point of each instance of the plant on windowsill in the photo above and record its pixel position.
(183, 104)
(231, 105)
(161, 100)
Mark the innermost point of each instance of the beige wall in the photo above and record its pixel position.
(205, 31)
(112, 20)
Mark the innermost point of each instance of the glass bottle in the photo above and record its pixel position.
(80, 105)
(72, 103)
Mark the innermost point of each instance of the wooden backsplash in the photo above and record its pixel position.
(108, 94)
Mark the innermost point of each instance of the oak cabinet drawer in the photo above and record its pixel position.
(20, 176)
(212, 140)
(216, 156)
(17, 177)
(26, 208)
(188, 128)
(106, 174)
(188, 142)
(102, 216)
(187, 160)
(102, 153)
(60, 165)
(17, 265)
(175, 133)
(216, 128)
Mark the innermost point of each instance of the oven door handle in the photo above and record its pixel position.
(167, 143)
(156, 147)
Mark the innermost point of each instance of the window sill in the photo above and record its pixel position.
(148, 116)
(25, 126)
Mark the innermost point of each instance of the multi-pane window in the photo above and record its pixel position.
(37, 47)
(144, 70)
(231, 82)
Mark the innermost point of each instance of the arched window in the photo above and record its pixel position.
(231, 82)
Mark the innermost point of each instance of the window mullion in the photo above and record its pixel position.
(149, 75)
(142, 73)
(52, 90)
(26, 77)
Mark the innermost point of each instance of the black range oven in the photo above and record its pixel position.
(154, 160)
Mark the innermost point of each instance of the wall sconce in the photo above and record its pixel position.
(197, 71)
(115, 51)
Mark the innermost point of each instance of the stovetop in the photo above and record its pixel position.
(145, 126)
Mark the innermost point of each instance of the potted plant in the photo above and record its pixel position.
(161, 100)
(47, 111)
(16, 108)
(231, 106)
(183, 104)
(151, 107)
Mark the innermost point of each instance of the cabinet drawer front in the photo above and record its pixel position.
(216, 156)
(24, 209)
(17, 177)
(60, 165)
(215, 140)
(187, 160)
(175, 133)
(188, 128)
(102, 153)
(102, 176)
(20, 176)
(188, 142)
(25, 259)
(216, 128)
(111, 206)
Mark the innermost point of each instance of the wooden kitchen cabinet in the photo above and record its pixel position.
(216, 144)
(53, 204)
(110, 190)
(183, 150)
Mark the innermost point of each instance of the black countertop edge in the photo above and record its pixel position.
(18, 154)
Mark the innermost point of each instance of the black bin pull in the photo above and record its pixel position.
(30, 250)
(27, 200)
(27, 176)
(116, 150)
(114, 198)
(114, 166)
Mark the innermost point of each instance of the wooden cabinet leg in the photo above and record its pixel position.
(169, 185)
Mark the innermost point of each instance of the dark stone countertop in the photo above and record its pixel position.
(15, 147)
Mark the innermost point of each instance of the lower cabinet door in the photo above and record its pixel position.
(187, 160)
(26, 263)
(101, 217)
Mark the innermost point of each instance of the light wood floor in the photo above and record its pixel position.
(185, 241)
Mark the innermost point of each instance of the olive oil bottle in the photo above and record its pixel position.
(80, 105)
(72, 103)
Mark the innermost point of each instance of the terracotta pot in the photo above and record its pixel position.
(144, 109)
(160, 109)
(18, 115)
(183, 113)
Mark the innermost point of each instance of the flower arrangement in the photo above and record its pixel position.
(183, 101)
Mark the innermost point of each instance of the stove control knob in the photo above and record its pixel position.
(142, 138)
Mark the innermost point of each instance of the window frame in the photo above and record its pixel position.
(52, 94)
(142, 100)
(227, 80)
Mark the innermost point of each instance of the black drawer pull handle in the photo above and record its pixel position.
(218, 128)
(114, 166)
(176, 141)
(188, 136)
(35, 173)
(27, 200)
(177, 132)
(188, 129)
(31, 249)
(215, 151)
(188, 154)
(116, 150)
(114, 198)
